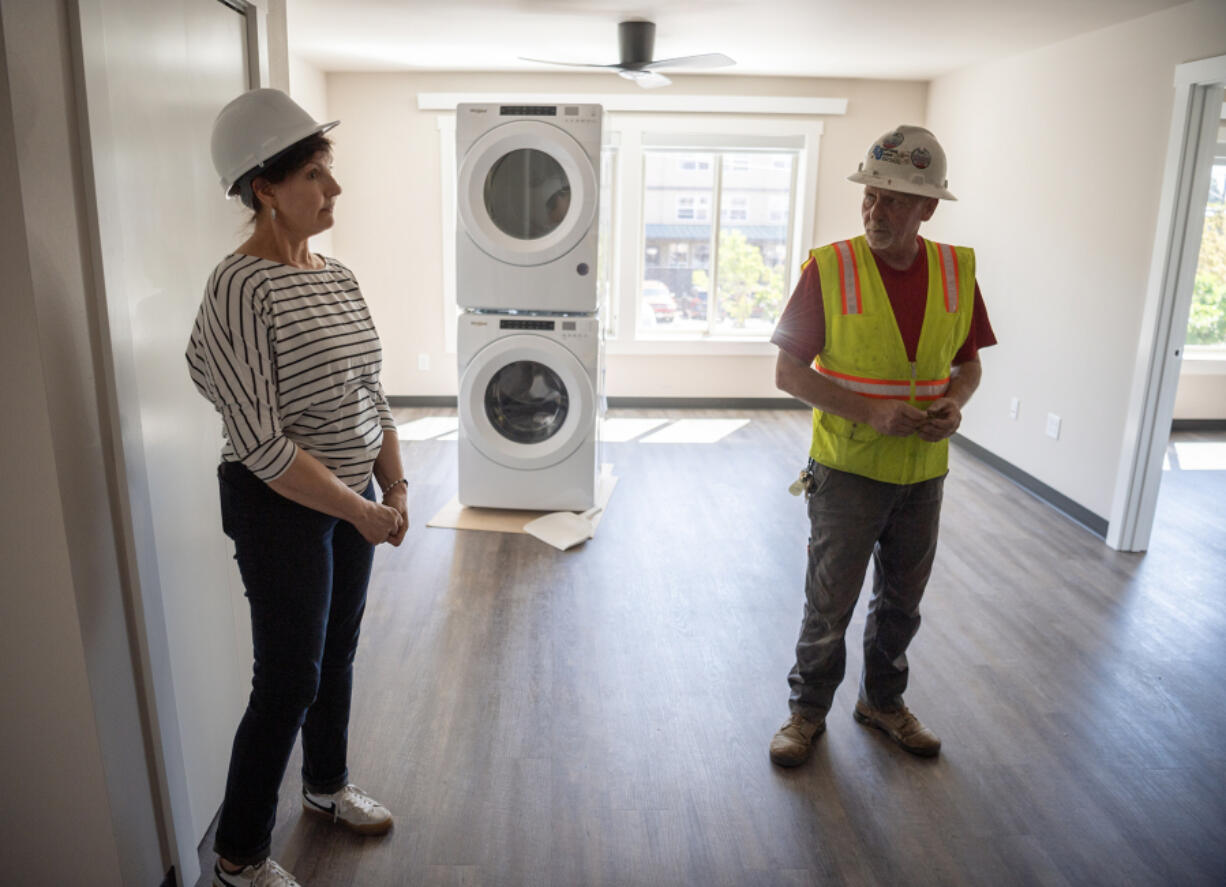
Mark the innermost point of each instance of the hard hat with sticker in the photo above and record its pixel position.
(907, 159)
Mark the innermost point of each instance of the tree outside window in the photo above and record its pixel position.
(1207, 319)
(726, 279)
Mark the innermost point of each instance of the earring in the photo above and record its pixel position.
(274, 212)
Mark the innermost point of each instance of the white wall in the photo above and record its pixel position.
(1202, 390)
(309, 88)
(1057, 158)
(389, 229)
(71, 739)
(111, 545)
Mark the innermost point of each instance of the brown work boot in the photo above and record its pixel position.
(901, 726)
(790, 747)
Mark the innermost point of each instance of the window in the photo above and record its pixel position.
(727, 280)
(1207, 317)
(778, 210)
(605, 245)
(737, 209)
(693, 208)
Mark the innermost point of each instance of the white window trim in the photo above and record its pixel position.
(626, 338)
(1203, 360)
(447, 194)
(671, 103)
(707, 115)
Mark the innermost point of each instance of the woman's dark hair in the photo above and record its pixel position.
(281, 166)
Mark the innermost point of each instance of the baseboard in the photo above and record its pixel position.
(1198, 425)
(1035, 487)
(401, 400)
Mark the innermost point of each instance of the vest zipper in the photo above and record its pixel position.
(912, 446)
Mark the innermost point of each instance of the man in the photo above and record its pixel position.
(881, 339)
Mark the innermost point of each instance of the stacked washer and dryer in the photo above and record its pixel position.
(530, 347)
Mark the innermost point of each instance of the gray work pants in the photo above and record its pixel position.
(854, 518)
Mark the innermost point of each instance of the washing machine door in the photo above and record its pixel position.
(527, 192)
(526, 402)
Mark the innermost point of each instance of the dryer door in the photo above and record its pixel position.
(527, 193)
(526, 402)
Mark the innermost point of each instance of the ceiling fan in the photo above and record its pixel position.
(636, 40)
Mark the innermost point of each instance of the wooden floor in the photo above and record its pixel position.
(601, 716)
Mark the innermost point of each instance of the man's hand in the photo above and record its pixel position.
(895, 418)
(399, 500)
(942, 420)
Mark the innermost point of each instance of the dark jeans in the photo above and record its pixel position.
(305, 576)
(853, 519)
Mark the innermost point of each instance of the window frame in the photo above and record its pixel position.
(799, 134)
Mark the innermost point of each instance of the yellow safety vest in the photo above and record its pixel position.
(864, 353)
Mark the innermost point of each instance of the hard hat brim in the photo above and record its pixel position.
(892, 183)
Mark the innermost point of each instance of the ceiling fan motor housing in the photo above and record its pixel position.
(636, 42)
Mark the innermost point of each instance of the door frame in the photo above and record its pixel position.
(1190, 150)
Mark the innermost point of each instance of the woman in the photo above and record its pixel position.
(285, 350)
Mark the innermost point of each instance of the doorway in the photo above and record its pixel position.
(1191, 152)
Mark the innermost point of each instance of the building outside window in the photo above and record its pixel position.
(740, 291)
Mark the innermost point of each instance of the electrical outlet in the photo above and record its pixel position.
(1053, 426)
(423, 362)
(1014, 406)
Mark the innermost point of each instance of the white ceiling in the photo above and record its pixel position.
(907, 39)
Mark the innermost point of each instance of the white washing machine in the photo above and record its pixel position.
(529, 401)
(528, 183)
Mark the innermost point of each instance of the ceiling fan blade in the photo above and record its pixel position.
(645, 79)
(709, 60)
(523, 58)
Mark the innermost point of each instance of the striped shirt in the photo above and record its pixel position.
(290, 357)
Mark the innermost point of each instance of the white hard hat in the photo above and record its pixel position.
(907, 159)
(254, 128)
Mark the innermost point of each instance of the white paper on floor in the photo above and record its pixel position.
(695, 431)
(455, 516)
(427, 427)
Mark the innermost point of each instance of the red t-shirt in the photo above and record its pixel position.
(801, 331)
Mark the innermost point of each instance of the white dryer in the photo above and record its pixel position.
(528, 182)
(529, 401)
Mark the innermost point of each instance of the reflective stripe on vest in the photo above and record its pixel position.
(849, 277)
(888, 389)
(949, 276)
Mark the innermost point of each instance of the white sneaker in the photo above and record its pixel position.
(351, 807)
(263, 874)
